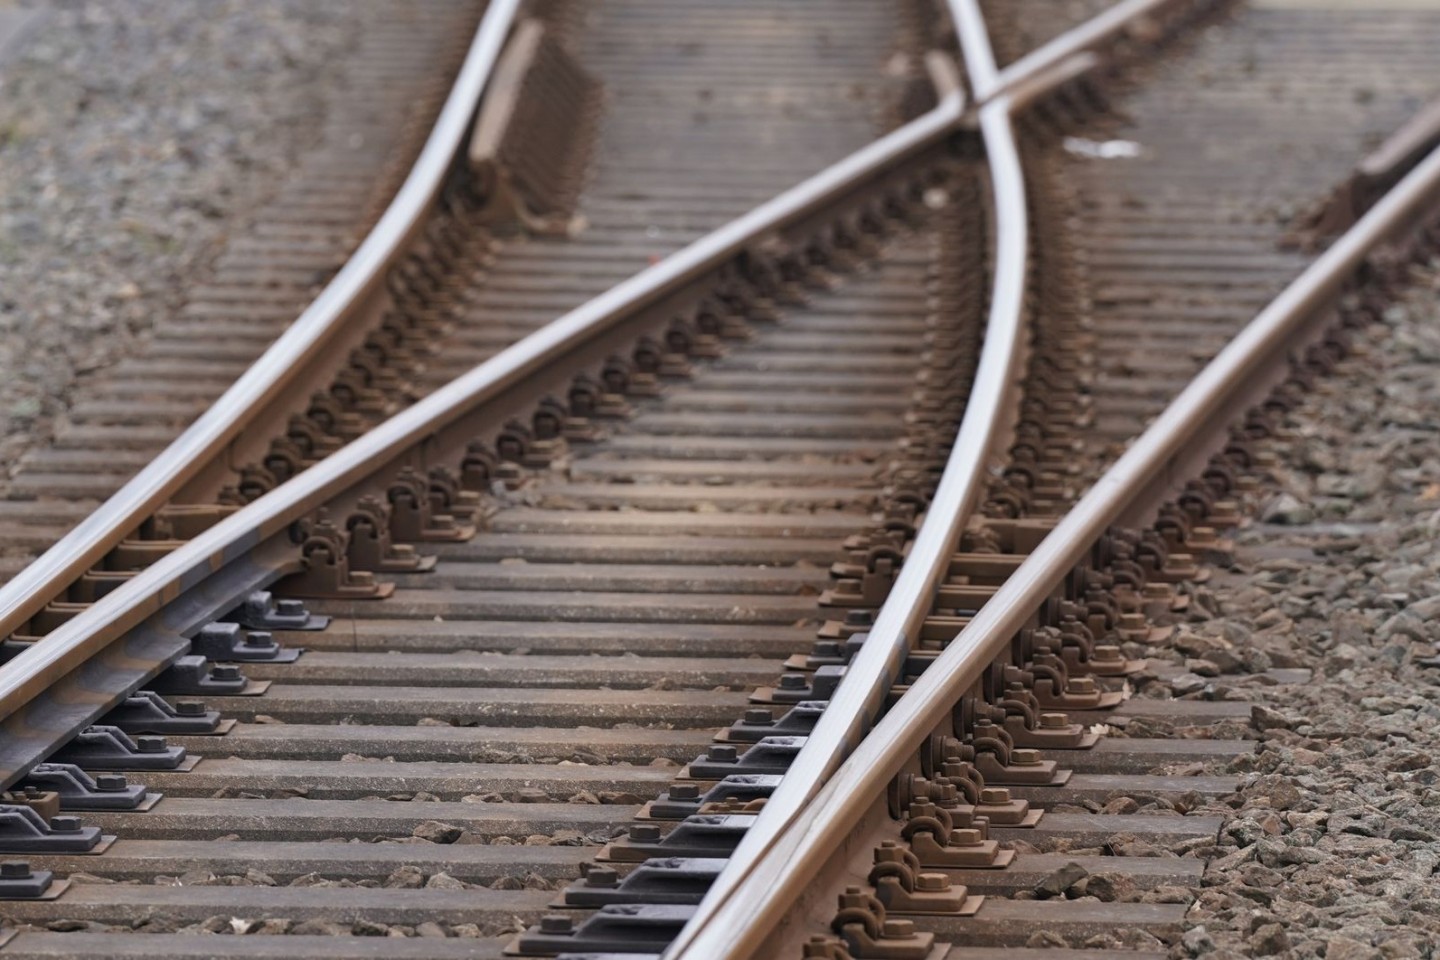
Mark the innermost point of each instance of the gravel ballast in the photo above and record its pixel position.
(1332, 843)
(134, 135)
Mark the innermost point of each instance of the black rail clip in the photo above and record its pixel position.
(769, 755)
(261, 611)
(760, 722)
(109, 748)
(797, 687)
(685, 800)
(145, 711)
(19, 882)
(24, 830)
(79, 791)
(703, 836)
(616, 928)
(673, 880)
(194, 676)
(226, 642)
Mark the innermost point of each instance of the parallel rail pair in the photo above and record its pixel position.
(503, 387)
(750, 911)
(820, 799)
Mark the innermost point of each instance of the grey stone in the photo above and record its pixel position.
(406, 877)
(1286, 509)
(438, 832)
(443, 881)
(1107, 887)
(1343, 948)
(1269, 940)
(1197, 942)
(1188, 683)
(1265, 718)
(1061, 880)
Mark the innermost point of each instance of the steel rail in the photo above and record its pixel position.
(78, 640)
(861, 695)
(730, 922)
(723, 923)
(1100, 29)
(349, 293)
(87, 543)
(1170, 451)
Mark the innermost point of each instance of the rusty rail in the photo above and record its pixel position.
(282, 368)
(1174, 448)
(722, 925)
(716, 929)
(509, 383)
(861, 695)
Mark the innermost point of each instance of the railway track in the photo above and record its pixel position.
(529, 598)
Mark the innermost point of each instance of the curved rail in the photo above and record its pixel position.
(1174, 448)
(861, 695)
(724, 924)
(508, 382)
(349, 294)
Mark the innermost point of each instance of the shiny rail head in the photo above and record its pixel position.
(507, 385)
(742, 913)
(1146, 474)
(208, 437)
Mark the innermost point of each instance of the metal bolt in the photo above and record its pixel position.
(684, 791)
(290, 608)
(14, 869)
(898, 930)
(150, 744)
(932, 882)
(758, 715)
(1106, 651)
(1081, 685)
(995, 795)
(111, 782)
(225, 671)
(1024, 758)
(599, 876)
(793, 681)
(65, 824)
(723, 753)
(644, 833)
(190, 708)
(1054, 721)
(966, 837)
(259, 638)
(555, 923)
(859, 618)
